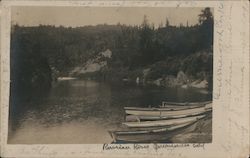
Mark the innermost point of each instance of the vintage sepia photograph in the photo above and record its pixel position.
(115, 75)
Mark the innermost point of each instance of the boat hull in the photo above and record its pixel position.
(138, 118)
(171, 107)
(164, 103)
(167, 113)
(153, 136)
(161, 123)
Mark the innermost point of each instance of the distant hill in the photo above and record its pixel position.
(41, 54)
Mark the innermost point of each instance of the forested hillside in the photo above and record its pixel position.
(40, 54)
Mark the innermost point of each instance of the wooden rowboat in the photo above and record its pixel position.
(169, 108)
(166, 104)
(138, 118)
(161, 123)
(152, 135)
(163, 112)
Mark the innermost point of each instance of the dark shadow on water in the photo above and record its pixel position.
(84, 101)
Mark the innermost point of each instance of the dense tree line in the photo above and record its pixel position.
(38, 52)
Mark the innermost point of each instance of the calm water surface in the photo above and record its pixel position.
(82, 111)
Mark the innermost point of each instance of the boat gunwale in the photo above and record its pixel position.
(166, 109)
(157, 118)
(117, 139)
(156, 130)
(136, 124)
(187, 103)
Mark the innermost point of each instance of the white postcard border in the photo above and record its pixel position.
(230, 92)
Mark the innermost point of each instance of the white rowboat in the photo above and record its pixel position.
(161, 123)
(166, 112)
(166, 104)
(153, 135)
(134, 118)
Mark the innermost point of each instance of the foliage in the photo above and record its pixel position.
(39, 52)
(30, 70)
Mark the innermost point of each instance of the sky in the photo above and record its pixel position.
(82, 16)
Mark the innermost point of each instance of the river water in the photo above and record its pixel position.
(82, 111)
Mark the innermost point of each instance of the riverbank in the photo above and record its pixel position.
(201, 134)
(171, 81)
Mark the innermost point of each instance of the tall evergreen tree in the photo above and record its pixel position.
(206, 27)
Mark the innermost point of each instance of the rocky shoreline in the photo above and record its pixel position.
(201, 134)
(181, 80)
